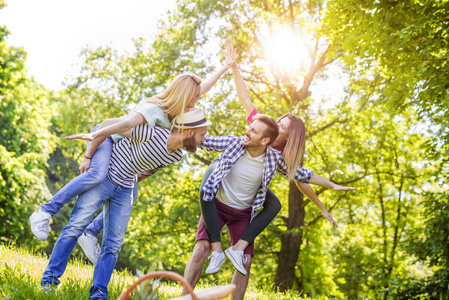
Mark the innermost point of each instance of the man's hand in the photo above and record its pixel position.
(145, 174)
(328, 216)
(85, 164)
(80, 136)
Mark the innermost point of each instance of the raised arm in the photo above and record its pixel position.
(310, 193)
(230, 58)
(242, 89)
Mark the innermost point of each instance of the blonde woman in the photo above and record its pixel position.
(161, 110)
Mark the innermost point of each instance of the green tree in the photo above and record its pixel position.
(429, 245)
(403, 44)
(275, 90)
(371, 253)
(343, 143)
(164, 221)
(396, 53)
(25, 141)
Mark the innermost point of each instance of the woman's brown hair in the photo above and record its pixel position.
(294, 147)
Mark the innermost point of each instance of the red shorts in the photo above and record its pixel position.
(236, 221)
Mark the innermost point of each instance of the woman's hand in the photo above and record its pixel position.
(230, 55)
(337, 187)
(80, 136)
(230, 60)
(328, 216)
(85, 164)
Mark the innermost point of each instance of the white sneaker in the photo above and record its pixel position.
(40, 224)
(49, 289)
(90, 246)
(237, 257)
(216, 260)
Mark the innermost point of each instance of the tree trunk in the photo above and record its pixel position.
(291, 242)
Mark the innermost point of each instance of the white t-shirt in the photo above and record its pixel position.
(152, 113)
(239, 187)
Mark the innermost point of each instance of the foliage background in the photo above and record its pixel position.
(387, 136)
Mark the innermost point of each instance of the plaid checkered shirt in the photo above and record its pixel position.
(232, 149)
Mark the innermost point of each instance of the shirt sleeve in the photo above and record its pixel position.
(116, 137)
(302, 174)
(142, 133)
(153, 114)
(217, 143)
(253, 113)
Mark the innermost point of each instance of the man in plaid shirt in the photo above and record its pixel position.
(238, 186)
(232, 148)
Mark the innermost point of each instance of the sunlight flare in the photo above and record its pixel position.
(285, 50)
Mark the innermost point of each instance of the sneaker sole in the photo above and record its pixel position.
(234, 262)
(84, 247)
(32, 230)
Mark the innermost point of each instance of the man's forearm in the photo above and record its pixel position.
(93, 147)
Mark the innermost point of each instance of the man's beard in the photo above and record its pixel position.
(190, 144)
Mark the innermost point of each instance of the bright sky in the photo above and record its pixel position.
(53, 32)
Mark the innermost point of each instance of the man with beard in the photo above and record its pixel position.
(143, 148)
(238, 186)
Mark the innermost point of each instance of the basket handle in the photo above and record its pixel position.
(126, 295)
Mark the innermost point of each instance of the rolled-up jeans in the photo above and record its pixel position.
(118, 203)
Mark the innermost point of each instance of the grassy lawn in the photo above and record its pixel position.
(21, 271)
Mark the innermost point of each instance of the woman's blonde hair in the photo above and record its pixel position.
(175, 99)
(294, 147)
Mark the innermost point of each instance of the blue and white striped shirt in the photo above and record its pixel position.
(145, 150)
(232, 149)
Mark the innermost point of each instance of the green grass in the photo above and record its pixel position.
(21, 271)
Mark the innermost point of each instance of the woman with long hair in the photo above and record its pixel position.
(291, 142)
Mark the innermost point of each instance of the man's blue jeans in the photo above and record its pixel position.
(118, 203)
(96, 226)
(97, 172)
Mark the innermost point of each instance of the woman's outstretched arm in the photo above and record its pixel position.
(96, 142)
(318, 180)
(310, 193)
(110, 126)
